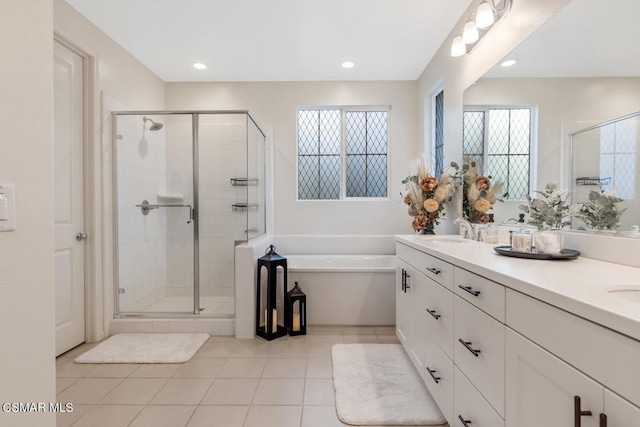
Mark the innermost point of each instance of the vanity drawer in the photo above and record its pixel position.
(479, 351)
(606, 356)
(470, 406)
(437, 307)
(439, 377)
(488, 296)
(432, 267)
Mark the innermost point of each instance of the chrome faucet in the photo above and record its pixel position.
(506, 221)
(469, 232)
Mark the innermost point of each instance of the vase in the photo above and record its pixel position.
(427, 232)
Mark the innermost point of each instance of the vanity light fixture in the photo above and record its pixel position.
(199, 66)
(347, 64)
(488, 13)
(470, 33)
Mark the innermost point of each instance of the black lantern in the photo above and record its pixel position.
(267, 315)
(296, 311)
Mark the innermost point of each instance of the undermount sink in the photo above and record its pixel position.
(628, 292)
(446, 239)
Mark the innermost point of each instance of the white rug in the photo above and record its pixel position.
(145, 348)
(376, 384)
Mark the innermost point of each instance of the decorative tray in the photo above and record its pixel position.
(564, 254)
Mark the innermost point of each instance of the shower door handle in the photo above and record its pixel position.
(145, 207)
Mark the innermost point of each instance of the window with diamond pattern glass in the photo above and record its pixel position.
(618, 142)
(320, 144)
(501, 138)
(439, 134)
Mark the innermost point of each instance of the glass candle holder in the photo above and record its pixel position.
(550, 241)
(521, 241)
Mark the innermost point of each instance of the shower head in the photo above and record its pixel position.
(154, 125)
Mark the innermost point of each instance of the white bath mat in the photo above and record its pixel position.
(376, 384)
(145, 348)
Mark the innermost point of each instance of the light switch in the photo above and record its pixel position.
(7, 207)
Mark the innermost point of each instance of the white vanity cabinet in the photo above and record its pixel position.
(410, 325)
(542, 389)
(493, 356)
(465, 383)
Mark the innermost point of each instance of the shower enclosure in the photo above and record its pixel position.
(188, 187)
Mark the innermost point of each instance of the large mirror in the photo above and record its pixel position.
(581, 68)
(604, 176)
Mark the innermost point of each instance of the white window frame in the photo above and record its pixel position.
(533, 148)
(344, 109)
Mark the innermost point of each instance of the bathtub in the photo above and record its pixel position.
(353, 290)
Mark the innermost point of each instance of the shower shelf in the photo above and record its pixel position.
(584, 180)
(243, 207)
(167, 196)
(244, 182)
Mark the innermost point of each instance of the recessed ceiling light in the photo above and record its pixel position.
(347, 64)
(508, 63)
(199, 66)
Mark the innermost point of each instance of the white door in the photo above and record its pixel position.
(68, 198)
(541, 389)
(619, 412)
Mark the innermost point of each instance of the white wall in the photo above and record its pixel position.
(456, 74)
(561, 102)
(27, 369)
(274, 106)
(121, 78)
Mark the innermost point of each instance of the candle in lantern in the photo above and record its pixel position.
(274, 325)
(275, 321)
(296, 322)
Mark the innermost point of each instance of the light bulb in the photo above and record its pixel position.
(457, 47)
(484, 16)
(470, 33)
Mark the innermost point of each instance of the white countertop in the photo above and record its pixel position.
(578, 286)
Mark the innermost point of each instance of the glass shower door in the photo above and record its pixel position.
(155, 210)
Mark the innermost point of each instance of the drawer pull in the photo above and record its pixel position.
(405, 285)
(603, 420)
(470, 290)
(467, 345)
(578, 413)
(464, 422)
(432, 373)
(433, 313)
(433, 270)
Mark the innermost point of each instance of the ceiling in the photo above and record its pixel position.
(588, 38)
(278, 40)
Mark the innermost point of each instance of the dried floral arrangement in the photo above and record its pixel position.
(601, 212)
(479, 194)
(426, 196)
(551, 211)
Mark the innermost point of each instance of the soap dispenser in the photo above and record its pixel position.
(491, 231)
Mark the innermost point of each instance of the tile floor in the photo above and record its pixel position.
(228, 383)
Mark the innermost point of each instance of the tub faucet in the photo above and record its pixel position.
(508, 220)
(469, 232)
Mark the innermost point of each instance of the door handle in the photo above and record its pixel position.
(81, 236)
(603, 420)
(578, 413)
